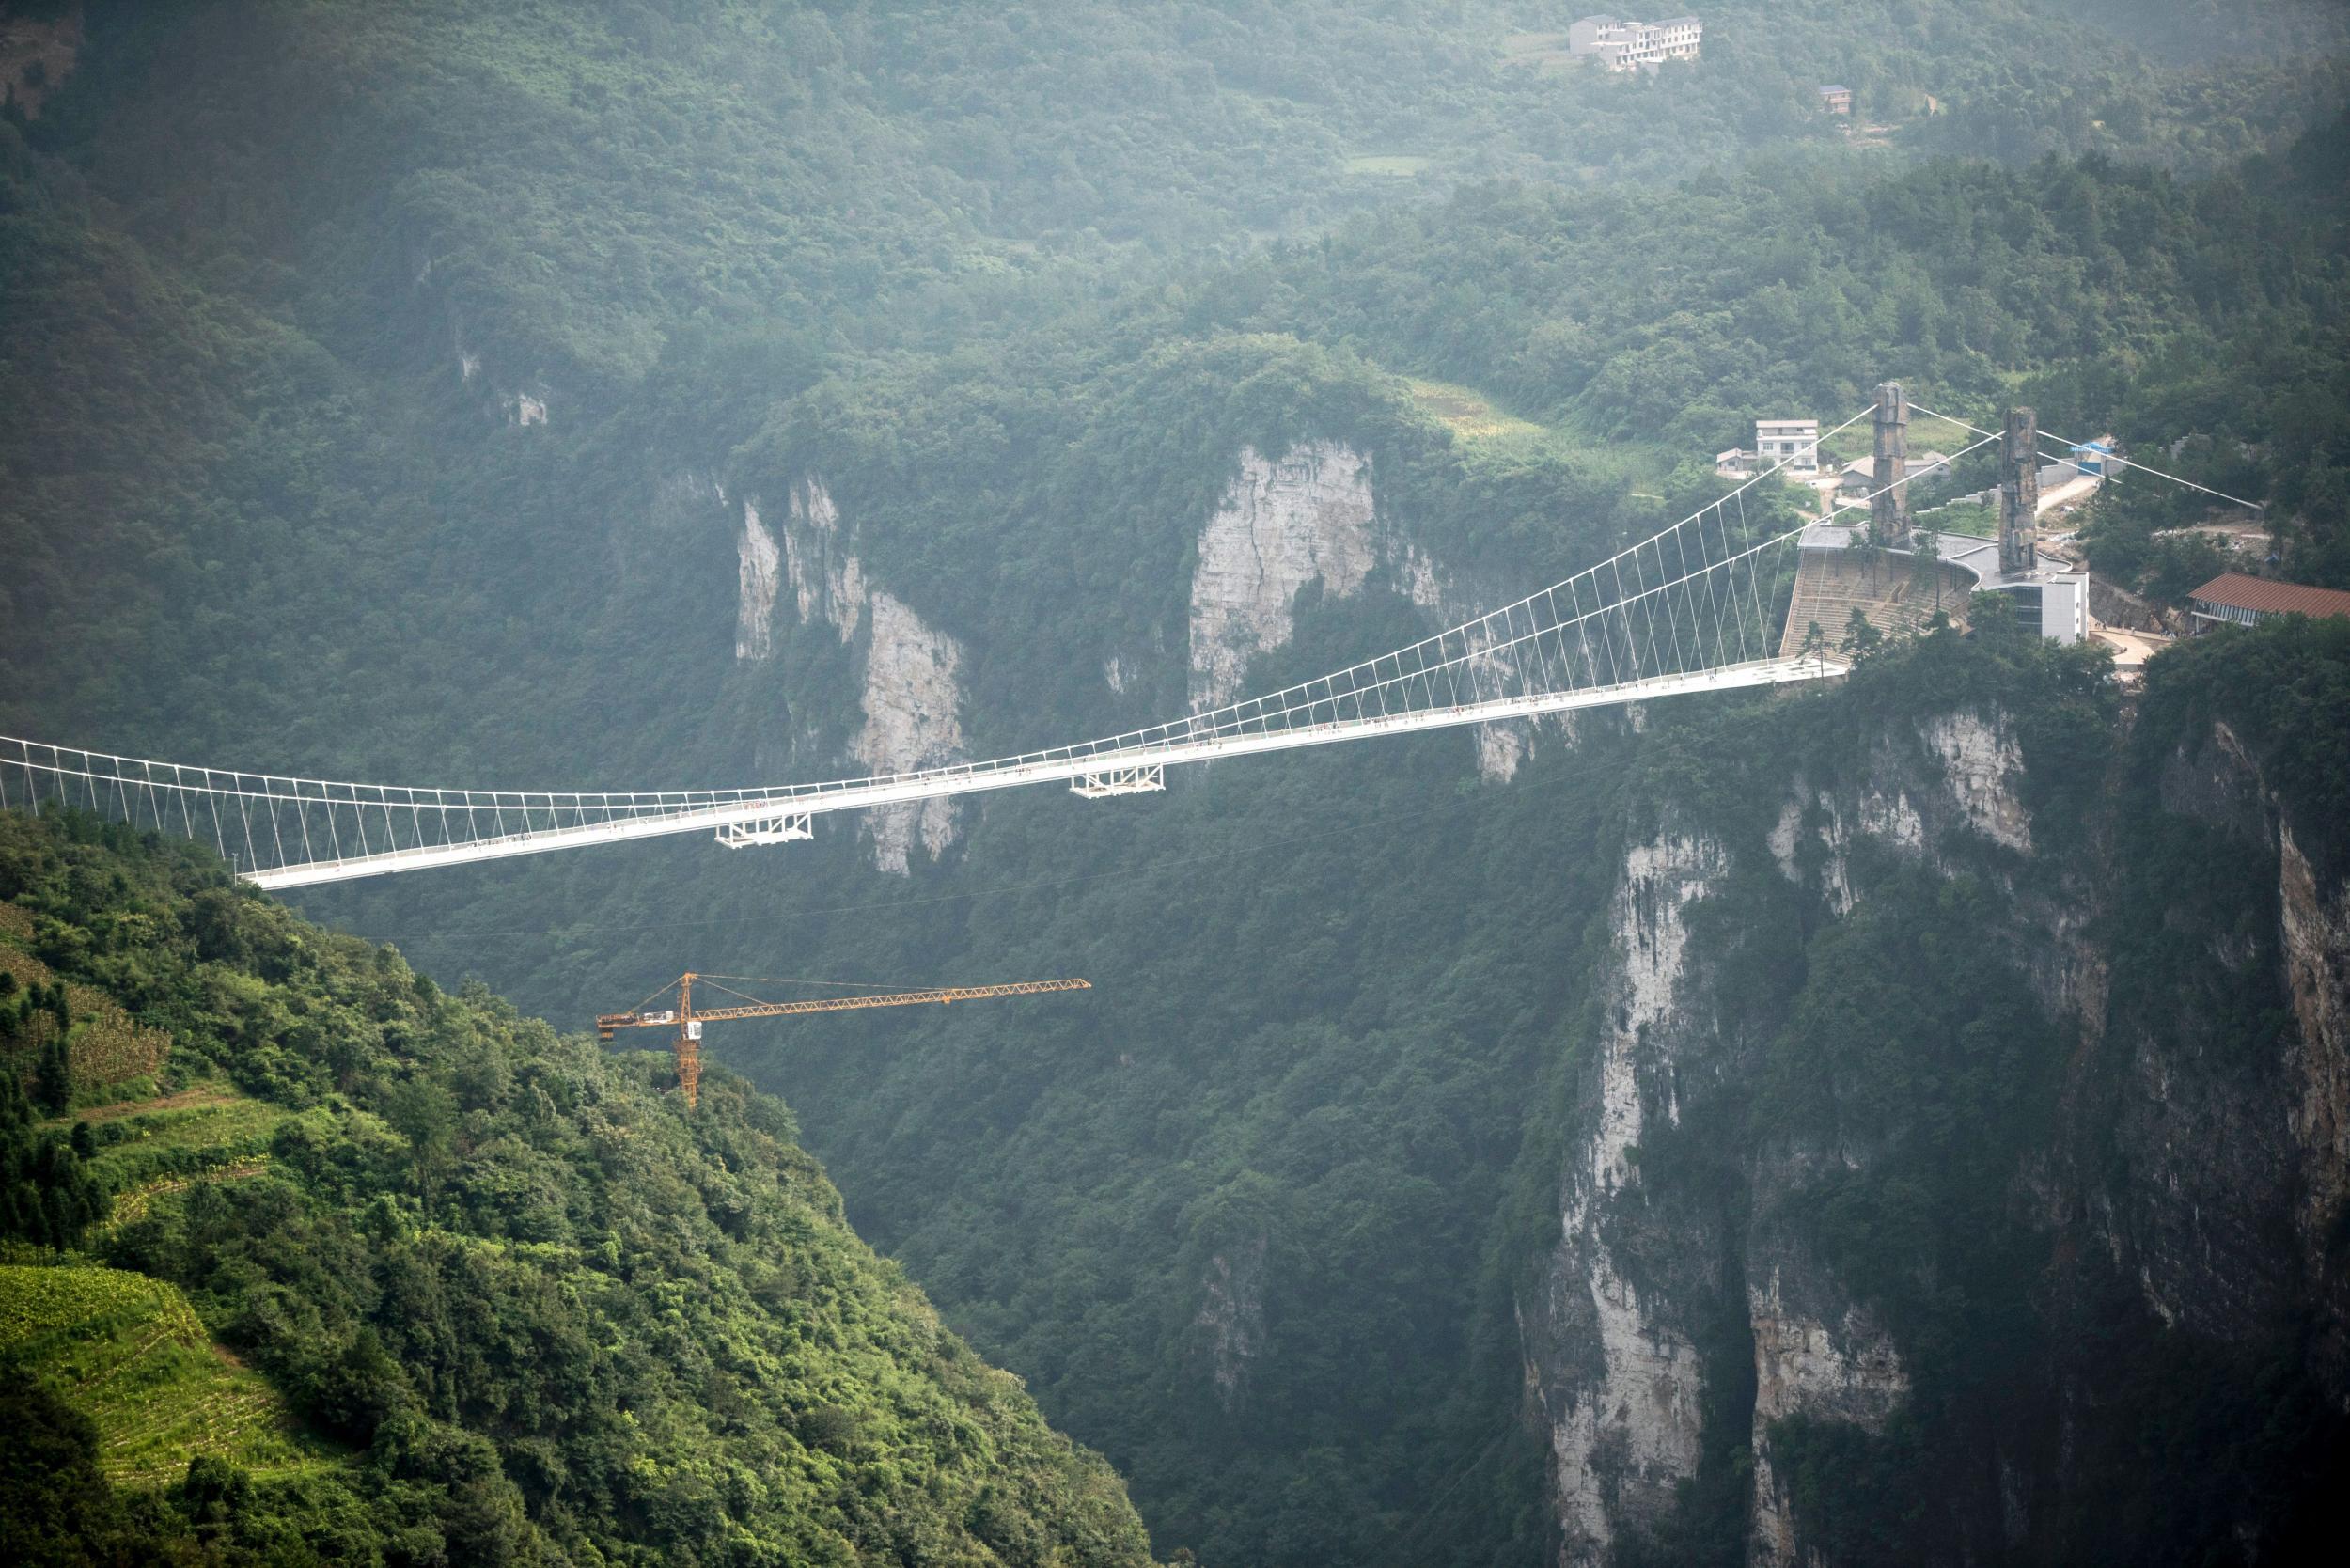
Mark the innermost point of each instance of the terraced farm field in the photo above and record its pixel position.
(127, 1352)
(106, 1045)
(199, 1129)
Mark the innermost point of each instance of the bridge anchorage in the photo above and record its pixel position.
(1705, 605)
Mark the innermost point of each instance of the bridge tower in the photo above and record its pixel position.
(2019, 492)
(1888, 514)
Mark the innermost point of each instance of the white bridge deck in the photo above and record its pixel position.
(1702, 607)
(970, 779)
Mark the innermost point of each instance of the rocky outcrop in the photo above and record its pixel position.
(1981, 761)
(1974, 763)
(2197, 1152)
(913, 703)
(910, 692)
(2215, 1146)
(2111, 604)
(828, 582)
(1231, 1321)
(37, 55)
(1816, 1354)
(1619, 1361)
(2316, 940)
(1310, 517)
(1304, 517)
(1614, 1367)
(759, 574)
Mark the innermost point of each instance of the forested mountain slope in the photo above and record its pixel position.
(505, 1302)
(691, 394)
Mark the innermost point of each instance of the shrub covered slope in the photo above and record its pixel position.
(537, 1312)
(1019, 284)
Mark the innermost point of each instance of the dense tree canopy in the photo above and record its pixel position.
(279, 284)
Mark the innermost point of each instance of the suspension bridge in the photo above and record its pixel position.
(1702, 607)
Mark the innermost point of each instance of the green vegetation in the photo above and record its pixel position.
(1962, 517)
(2198, 1435)
(194, 1132)
(1927, 433)
(550, 1315)
(1019, 282)
(127, 1352)
(1396, 165)
(2203, 323)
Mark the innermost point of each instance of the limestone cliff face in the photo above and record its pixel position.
(1972, 765)
(1307, 516)
(1613, 1364)
(759, 574)
(1231, 1324)
(37, 55)
(1615, 1360)
(912, 704)
(1817, 1352)
(2316, 933)
(2198, 1156)
(1285, 523)
(910, 690)
(2214, 1147)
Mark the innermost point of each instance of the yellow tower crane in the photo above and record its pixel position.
(688, 1020)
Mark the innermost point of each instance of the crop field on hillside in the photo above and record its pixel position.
(128, 1353)
(200, 1129)
(105, 1045)
(1469, 414)
(1927, 433)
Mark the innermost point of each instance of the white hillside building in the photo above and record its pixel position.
(1793, 442)
(1627, 45)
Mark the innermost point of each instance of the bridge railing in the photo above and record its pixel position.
(1706, 594)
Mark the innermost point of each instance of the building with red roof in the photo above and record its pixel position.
(2233, 599)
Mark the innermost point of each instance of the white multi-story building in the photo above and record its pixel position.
(1793, 442)
(1625, 45)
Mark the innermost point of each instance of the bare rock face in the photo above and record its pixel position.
(1815, 1354)
(1231, 1321)
(910, 692)
(37, 55)
(759, 574)
(1974, 763)
(913, 702)
(1285, 523)
(1614, 1368)
(828, 582)
(1613, 1358)
(1982, 760)
(2217, 1147)
(2200, 1154)
(2316, 933)
(1309, 516)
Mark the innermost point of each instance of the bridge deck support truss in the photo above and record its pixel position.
(1141, 779)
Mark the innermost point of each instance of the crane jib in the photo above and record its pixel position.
(688, 1020)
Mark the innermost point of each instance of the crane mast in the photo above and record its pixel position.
(687, 1020)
